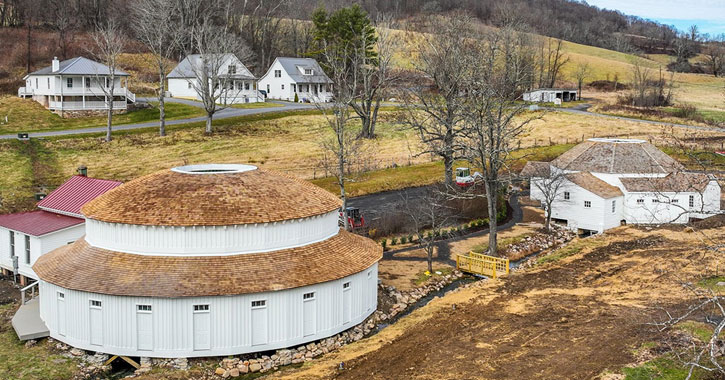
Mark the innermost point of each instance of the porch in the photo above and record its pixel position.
(26, 322)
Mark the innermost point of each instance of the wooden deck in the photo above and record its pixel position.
(27, 322)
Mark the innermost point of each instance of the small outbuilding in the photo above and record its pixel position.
(208, 260)
(549, 95)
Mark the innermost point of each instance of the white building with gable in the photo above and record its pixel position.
(303, 77)
(240, 85)
(610, 182)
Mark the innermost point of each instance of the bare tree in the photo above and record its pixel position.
(344, 141)
(63, 22)
(552, 189)
(262, 26)
(154, 23)
(648, 90)
(582, 72)
(715, 56)
(428, 215)
(551, 59)
(494, 119)
(109, 43)
(434, 104)
(212, 49)
(376, 75)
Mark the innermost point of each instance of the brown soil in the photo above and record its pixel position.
(571, 319)
(8, 292)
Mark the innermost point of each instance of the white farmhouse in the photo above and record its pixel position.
(301, 76)
(77, 84)
(241, 85)
(26, 236)
(550, 95)
(610, 182)
(207, 260)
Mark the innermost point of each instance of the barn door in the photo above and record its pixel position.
(202, 328)
(346, 303)
(61, 313)
(309, 314)
(144, 328)
(259, 322)
(96, 322)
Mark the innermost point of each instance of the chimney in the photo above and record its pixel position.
(83, 171)
(56, 64)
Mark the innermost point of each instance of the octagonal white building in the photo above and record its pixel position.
(208, 260)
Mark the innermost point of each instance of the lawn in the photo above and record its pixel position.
(25, 115)
(39, 362)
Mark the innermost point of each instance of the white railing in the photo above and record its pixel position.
(32, 288)
(87, 105)
(89, 91)
(23, 91)
(131, 96)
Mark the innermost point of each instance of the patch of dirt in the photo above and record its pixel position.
(716, 221)
(571, 319)
(8, 291)
(533, 215)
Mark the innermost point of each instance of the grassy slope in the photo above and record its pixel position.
(25, 115)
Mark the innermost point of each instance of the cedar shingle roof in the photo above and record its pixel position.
(536, 169)
(170, 198)
(673, 182)
(80, 266)
(589, 182)
(617, 156)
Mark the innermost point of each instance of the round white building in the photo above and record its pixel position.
(208, 260)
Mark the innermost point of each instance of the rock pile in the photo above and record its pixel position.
(539, 242)
(233, 367)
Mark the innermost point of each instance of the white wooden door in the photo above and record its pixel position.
(369, 290)
(61, 314)
(144, 328)
(346, 303)
(259, 323)
(309, 316)
(202, 328)
(96, 323)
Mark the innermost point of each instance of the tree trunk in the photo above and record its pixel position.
(374, 118)
(547, 225)
(341, 183)
(209, 116)
(448, 166)
(162, 105)
(109, 121)
(430, 258)
(27, 52)
(491, 198)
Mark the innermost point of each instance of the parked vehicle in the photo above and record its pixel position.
(464, 177)
(355, 220)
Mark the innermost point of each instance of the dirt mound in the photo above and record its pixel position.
(716, 221)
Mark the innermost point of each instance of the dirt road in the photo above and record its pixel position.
(571, 319)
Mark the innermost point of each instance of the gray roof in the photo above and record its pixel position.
(291, 65)
(617, 156)
(185, 69)
(673, 182)
(78, 66)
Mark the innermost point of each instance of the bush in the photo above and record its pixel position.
(384, 243)
(297, 98)
(403, 239)
(687, 112)
(410, 238)
(393, 241)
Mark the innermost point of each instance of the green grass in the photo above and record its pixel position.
(662, 368)
(422, 277)
(699, 330)
(711, 283)
(572, 248)
(39, 362)
(25, 115)
(503, 244)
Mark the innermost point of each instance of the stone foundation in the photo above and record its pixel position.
(86, 113)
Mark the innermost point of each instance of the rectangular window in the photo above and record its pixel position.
(308, 296)
(261, 303)
(567, 196)
(232, 69)
(188, 84)
(588, 204)
(201, 307)
(283, 87)
(614, 206)
(655, 200)
(278, 73)
(691, 201)
(675, 201)
(246, 85)
(88, 82)
(27, 249)
(69, 82)
(12, 243)
(48, 83)
(346, 285)
(143, 307)
(36, 82)
(308, 71)
(61, 295)
(639, 201)
(95, 303)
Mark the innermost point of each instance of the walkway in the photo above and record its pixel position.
(27, 322)
(583, 109)
(223, 114)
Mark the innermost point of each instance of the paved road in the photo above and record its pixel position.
(223, 114)
(583, 109)
(373, 205)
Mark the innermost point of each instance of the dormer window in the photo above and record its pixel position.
(308, 71)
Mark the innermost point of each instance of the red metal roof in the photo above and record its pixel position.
(74, 193)
(37, 223)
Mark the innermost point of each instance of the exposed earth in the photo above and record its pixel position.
(577, 318)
